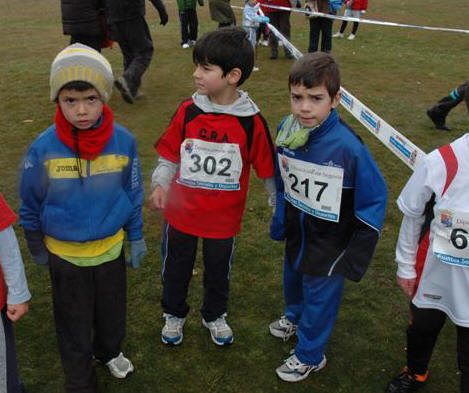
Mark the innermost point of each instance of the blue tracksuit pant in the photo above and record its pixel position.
(312, 303)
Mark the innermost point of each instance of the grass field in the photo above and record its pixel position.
(397, 72)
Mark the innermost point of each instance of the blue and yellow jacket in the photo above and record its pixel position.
(77, 200)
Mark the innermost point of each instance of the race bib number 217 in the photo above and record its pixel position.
(315, 189)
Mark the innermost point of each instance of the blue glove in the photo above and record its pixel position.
(265, 19)
(138, 249)
(36, 246)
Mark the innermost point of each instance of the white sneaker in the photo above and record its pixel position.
(255, 68)
(192, 42)
(185, 45)
(282, 328)
(351, 37)
(120, 366)
(338, 35)
(220, 331)
(172, 329)
(294, 371)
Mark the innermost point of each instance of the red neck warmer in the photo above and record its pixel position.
(88, 144)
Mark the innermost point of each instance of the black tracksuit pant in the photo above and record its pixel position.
(422, 334)
(280, 20)
(442, 108)
(90, 317)
(178, 256)
(320, 26)
(8, 363)
(189, 25)
(136, 45)
(93, 41)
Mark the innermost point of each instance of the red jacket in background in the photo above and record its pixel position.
(360, 5)
(279, 3)
(7, 218)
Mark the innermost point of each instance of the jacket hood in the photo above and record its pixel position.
(243, 106)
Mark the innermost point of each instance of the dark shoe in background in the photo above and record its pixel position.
(406, 382)
(121, 85)
(438, 120)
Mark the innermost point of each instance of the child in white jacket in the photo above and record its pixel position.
(251, 21)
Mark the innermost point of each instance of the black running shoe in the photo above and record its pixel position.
(437, 120)
(406, 382)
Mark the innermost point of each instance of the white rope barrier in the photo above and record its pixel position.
(397, 143)
(369, 21)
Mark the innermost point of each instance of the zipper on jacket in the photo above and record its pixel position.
(335, 262)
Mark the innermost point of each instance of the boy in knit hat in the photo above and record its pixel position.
(81, 190)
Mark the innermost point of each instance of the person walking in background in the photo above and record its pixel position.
(251, 23)
(189, 21)
(280, 19)
(14, 299)
(321, 26)
(221, 12)
(130, 29)
(84, 22)
(438, 112)
(354, 8)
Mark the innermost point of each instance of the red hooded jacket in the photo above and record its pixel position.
(279, 3)
(359, 5)
(7, 217)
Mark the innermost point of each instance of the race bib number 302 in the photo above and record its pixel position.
(451, 237)
(315, 189)
(210, 165)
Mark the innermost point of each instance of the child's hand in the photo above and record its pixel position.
(138, 249)
(407, 285)
(158, 198)
(16, 311)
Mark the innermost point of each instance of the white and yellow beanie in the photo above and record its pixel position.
(79, 62)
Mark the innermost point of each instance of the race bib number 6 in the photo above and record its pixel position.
(451, 237)
(315, 189)
(210, 165)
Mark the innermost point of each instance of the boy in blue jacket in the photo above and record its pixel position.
(331, 201)
(81, 189)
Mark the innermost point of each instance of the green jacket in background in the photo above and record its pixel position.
(184, 5)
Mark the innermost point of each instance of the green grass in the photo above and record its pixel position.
(397, 72)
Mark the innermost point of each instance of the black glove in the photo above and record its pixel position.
(36, 246)
(163, 18)
(298, 4)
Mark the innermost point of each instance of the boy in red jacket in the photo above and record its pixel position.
(14, 299)
(202, 179)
